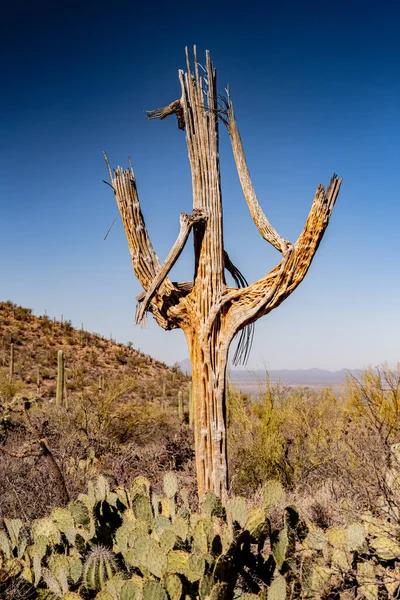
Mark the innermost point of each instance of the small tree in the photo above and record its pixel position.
(209, 312)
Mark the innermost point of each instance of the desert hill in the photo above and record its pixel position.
(119, 416)
(90, 359)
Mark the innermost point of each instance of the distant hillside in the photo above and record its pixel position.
(90, 359)
(119, 418)
(251, 380)
(293, 376)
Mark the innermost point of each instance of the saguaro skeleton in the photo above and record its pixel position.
(209, 312)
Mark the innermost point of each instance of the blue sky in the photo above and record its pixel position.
(316, 90)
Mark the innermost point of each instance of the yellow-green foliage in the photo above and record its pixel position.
(374, 399)
(307, 439)
(116, 411)
(9, 389)
(284, 434)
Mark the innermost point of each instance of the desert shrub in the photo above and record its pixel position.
(22, 314)
(343, 450)
(127, 436)
(9, 389)
(77, 378)
(372, 436)
(94, 358)
(67, 326)
(71, 340)
(49, 391)
(27, 489)
(15, 337)
(8, 304)
(288, 434)
(137, 421)
(85, 336)
(120, 414)
(121, 357)
(374, 398)
(51, 353)
(46, 374)
(46, 323)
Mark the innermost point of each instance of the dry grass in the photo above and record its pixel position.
(121, 418)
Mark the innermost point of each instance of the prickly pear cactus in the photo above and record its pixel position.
(170, 484)
(158, 549)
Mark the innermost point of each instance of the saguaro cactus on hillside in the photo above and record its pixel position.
(209, 312)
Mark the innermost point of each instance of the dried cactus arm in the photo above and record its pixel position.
(258, 299)
(186, 222)
(175, 108)
(185, 287)
(260, 220)
(145, 262)
(314, 229)
(144, 259)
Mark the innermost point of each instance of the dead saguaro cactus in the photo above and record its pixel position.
(209, 312)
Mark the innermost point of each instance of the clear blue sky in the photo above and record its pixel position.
(316, 89)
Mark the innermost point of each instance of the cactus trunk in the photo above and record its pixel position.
(180, 406)
(60, 378)
(11, 372)
(190, 405)
(208, 390)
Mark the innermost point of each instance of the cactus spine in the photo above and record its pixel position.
(60, 378)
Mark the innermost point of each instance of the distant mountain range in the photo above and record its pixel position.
(251, 379)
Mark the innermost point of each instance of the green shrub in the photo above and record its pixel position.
(121, 357)
(22, 314)
(9, 389)
(293, 435)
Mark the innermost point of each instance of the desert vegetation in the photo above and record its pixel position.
(123, 479)
(99, 495)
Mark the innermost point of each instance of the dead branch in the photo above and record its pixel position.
(24, 453)
(263, 225)
(144, 259)
(186, 223)
(39, 447)
(175, 108)
(269, 292)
